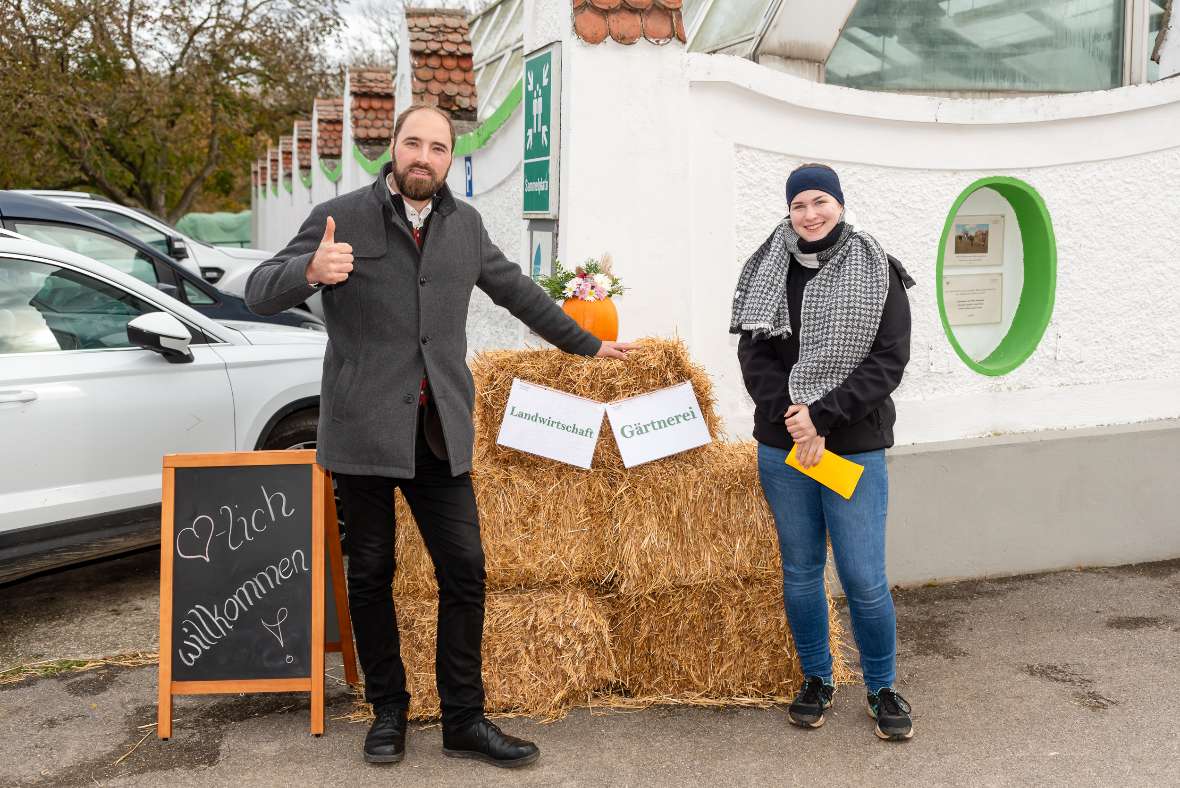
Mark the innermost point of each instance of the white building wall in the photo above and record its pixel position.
(1104, 163)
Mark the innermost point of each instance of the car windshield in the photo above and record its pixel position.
(129, 224)
(112, 251)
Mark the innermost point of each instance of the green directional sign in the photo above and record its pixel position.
(542, 112)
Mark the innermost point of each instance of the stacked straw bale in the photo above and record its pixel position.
(544, 651)
(656, 583)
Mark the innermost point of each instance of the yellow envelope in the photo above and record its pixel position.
(832, 471)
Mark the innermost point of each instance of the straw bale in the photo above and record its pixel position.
(656, 364)
(718, 640)
(689, 522)
(538, 529)
(543, 652)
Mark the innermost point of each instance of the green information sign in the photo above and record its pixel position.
(542, 110)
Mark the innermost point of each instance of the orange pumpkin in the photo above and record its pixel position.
(600, 318)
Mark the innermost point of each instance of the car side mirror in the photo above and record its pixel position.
(161, 333)
(177, 248)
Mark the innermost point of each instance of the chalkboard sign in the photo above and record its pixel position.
(251, 581)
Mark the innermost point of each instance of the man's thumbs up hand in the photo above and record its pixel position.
(332, 262)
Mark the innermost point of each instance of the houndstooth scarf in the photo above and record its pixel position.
(842, 306)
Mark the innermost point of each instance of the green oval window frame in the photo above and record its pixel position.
(1037, 296)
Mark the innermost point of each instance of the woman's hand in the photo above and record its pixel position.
(810, 451)
(798, 421)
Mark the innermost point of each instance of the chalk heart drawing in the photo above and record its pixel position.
(188, 540)
(276, 628)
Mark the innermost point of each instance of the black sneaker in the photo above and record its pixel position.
(892, 713)
(386, 740)
(808, 707)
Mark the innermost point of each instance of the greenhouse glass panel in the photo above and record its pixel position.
(508, 77)
(484, 81)
(690, 10)
(1051, 46)
(513, 29)
(1155, 13)
(726, 21)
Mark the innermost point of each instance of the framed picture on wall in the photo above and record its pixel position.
(973, 299)
(976, 240)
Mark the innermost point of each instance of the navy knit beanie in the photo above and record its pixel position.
(807, 178)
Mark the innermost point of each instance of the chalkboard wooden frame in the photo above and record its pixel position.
(325, 533)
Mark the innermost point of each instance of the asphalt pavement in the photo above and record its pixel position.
(1069, 679)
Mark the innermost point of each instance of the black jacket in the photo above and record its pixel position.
(857, 415)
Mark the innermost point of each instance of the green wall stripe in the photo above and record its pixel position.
(1038, 294)
(332, 173)
(371, 166)
(474, 140)
(305, 180)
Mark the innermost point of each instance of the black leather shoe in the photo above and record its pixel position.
(483, 741)
(386, 740)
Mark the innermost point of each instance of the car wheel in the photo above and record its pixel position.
(298, 431)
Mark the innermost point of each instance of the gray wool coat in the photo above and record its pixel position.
(401, 314)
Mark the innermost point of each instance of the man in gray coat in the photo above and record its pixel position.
(396, 263)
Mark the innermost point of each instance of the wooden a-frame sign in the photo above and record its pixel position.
(242, 544)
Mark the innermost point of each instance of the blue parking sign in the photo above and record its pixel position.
(470, 181)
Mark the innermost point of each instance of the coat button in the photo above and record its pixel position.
(409, 398)
(422, 281)
(425, 339)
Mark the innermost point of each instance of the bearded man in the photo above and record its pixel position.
(396, 262)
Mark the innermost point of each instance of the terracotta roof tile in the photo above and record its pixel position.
(303, 144)
(590, 25)
(625, 25)
(330, 122)
(372, 108)
(286, 148)
(441, 61)
(659, 25)
(272, 155)
(627, 21)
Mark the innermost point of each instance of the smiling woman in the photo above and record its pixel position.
(825, 333)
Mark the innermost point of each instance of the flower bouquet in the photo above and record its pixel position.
(586, 294)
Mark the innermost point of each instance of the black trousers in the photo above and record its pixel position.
(444, 507)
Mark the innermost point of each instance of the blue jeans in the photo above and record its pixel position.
(804, 513)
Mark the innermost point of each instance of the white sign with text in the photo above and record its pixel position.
(551, 423)
(658, 424)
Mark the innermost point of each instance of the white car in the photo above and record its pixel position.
(224, 266)
(101, 375)
(213, 263)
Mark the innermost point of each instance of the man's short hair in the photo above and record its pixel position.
(401, 120)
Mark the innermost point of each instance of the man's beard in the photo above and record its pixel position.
(417, 186)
